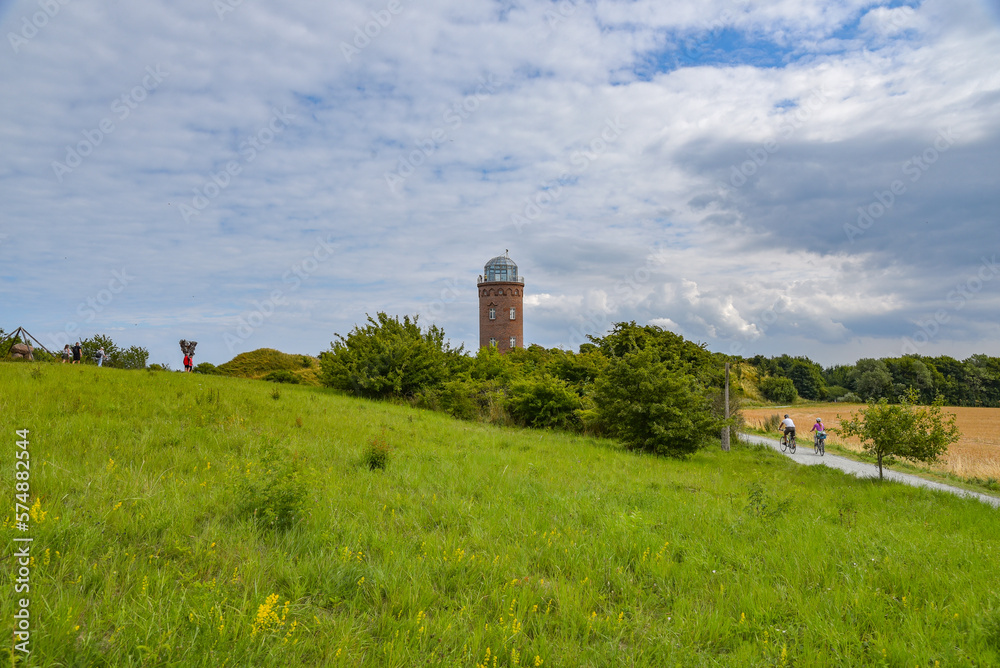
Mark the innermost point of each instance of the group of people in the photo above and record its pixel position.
(73, 354)
(789, 427)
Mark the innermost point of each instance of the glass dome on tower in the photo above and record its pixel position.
(501, 268)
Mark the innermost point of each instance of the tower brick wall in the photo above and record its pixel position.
(501, 297)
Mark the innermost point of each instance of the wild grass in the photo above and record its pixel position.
(474, 546)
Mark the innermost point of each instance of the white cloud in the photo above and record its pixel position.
(636, 219)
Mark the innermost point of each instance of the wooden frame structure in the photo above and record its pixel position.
(25, 334)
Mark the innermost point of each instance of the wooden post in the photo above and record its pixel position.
(725, 399)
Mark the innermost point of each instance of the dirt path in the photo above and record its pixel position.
(805, 455)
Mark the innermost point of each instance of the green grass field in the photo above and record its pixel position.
(475, 546)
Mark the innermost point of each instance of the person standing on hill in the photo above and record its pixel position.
(77, 352)
(188, 363)
(67, 354)
(101, 356)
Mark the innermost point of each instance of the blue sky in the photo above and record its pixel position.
(811, 178)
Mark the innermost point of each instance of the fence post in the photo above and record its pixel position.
(725, 400)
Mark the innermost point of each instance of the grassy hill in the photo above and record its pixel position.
(258, 363)
(476, 546)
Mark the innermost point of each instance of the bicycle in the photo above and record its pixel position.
(788, 443)
(819, 444)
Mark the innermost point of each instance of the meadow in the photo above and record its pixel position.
(976, 455)
(190, 520)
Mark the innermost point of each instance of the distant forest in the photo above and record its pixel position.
(971, 382)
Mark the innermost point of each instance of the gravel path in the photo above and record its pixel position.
(805, 455)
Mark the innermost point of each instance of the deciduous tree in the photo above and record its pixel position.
(389, 357)
(904, 430)
(655, 407)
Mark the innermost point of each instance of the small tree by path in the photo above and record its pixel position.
(904, 430)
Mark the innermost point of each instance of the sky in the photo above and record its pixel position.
(766, 177)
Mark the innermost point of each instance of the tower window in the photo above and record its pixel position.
(513, 342)
(493, 313)
(513, 312)
(493, 343)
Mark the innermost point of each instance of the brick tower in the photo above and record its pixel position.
(501, 295)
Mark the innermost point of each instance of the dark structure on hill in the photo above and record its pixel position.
(501, 299)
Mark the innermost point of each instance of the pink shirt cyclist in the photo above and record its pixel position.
(818, 426)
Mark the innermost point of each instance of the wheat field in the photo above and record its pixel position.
(975, 455)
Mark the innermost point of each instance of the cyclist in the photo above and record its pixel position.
(788, 426)
(819, 429)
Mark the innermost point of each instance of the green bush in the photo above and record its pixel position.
(778, 390)
(377, 454)
(458, 397)
(390, 358)
(835, 392)
(207, 369)
(270, 491)
(542, 401)
(283, 376)
(654, 407)
(771, 422)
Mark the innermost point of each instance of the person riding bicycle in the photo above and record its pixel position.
(788, 426)
(819, 428)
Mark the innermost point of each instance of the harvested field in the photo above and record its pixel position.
(976, 455)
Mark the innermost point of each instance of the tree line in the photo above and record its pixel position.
(974, 381)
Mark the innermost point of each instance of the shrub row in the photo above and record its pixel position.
(649, 387)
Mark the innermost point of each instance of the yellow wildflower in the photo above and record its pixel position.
(266, 616)
(36, 512)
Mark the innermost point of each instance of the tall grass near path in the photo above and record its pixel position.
(158, 543)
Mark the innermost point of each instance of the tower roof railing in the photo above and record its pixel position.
(519, 279)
